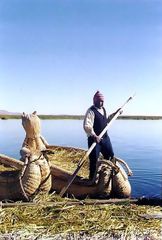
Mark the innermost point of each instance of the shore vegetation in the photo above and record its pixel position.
(80, 117)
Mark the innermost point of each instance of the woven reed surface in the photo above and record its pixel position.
(67, 158)
(46, 180)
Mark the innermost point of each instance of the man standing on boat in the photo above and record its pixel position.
(95, 121)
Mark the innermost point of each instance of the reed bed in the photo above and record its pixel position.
(84, 221)
(89, 220)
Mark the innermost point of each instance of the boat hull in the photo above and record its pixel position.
(106, 183)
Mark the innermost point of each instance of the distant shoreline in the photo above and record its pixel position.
(80, 117)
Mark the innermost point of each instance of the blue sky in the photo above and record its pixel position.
(55, 54)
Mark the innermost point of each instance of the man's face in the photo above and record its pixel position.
(99, 103)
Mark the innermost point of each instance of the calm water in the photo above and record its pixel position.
(138, 142)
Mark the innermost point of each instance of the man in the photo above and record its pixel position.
(94, 122)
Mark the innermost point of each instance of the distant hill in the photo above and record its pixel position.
(4, 112)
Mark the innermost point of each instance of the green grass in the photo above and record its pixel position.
(80, 117)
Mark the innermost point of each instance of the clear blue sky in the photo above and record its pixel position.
(54, 55)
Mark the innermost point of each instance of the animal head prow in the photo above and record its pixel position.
(31, 124)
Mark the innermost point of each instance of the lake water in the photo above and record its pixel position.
(138, 142)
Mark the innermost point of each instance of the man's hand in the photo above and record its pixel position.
(113, 114)
(97, 139)
(119, 110)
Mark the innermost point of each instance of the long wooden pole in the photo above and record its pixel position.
(82, 161)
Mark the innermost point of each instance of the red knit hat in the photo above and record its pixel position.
(98, 96)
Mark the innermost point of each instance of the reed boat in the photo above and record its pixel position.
(47, 168)
(111, 180)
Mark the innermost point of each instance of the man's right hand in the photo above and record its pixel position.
(97, 139)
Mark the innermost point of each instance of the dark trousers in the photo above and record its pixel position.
(104, 147)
